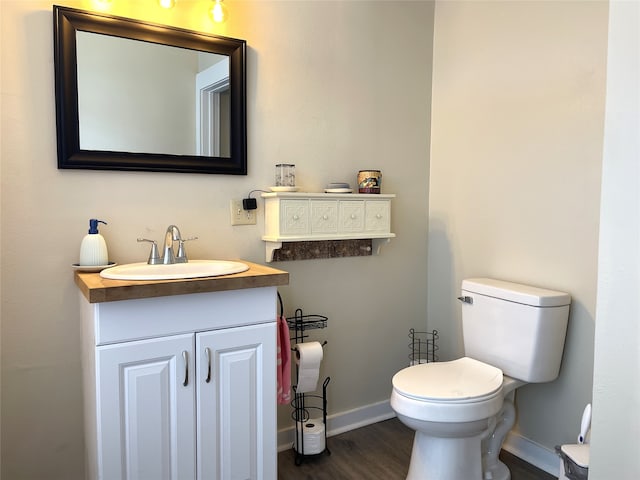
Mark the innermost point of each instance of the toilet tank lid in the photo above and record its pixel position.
(516, 292)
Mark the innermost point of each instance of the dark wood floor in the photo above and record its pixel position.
(378, 451)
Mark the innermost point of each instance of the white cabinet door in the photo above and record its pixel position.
(146, 412)
(236, 403)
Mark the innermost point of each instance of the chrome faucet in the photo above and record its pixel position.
(172, 235)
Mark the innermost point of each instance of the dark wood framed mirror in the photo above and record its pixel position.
(133, 95)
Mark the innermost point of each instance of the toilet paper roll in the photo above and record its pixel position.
(308, 358)
(310, 435)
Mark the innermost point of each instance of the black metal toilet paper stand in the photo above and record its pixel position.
(305, 403)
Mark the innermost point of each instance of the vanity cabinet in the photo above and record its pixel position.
(185, 406)
(294, 217)
(181, 387)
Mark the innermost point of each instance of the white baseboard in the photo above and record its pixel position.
(338, 423)
(343, 422)
(533, 453)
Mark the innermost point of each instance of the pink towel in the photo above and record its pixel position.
(284, 362)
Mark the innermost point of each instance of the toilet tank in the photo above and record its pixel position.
(517, 328)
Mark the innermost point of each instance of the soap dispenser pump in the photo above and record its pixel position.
(93, 249)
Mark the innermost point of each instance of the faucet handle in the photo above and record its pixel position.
(154, 256)
(182, 253)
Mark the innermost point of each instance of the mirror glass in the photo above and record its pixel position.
(137, 96)
(158, 86)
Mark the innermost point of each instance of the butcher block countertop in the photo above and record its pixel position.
(97, 289)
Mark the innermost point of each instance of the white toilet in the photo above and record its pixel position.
(461, 410)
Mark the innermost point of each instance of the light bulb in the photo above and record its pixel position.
(102, 5)
(167, 3)
(218, 12)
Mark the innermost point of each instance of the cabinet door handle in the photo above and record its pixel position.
(207, 352)
(185, 357)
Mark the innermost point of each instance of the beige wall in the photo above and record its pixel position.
(333, 87)
(517, 133)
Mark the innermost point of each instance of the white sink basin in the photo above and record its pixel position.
(176, 271)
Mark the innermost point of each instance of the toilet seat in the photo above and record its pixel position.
(463, 380)
(461, 390)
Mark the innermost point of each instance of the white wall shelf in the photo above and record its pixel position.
(296, 217)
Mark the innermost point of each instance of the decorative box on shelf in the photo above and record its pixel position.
(303, 217)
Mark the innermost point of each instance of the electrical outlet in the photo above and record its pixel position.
(240, 216)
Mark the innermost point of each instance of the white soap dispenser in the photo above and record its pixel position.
(93, 249)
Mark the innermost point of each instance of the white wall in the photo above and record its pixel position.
(333, 87)
(517, 132)
(616, 382)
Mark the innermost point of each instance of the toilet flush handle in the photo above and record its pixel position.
(466, 299)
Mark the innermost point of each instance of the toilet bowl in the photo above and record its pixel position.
(452, 407)
(462, 410)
